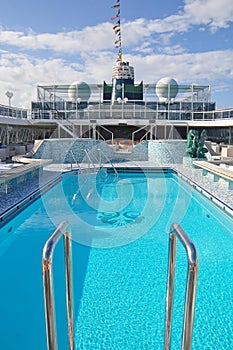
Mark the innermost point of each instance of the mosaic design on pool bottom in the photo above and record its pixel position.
(117, 219)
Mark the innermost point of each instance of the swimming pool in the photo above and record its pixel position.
(120, 248)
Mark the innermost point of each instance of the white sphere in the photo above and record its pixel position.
(166, 89)
(79, 91)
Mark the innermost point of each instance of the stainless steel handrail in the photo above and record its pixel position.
(176, 230)
(89, 158)
(144, 137)
(97, 160)
(99, 135)
(47, 258)
(108, 160)
(110, 132)
(74, 158)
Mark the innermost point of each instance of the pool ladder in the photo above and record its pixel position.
(99, 160)
(91, 162)
(191, 282)
(47, 260)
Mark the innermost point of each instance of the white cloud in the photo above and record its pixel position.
(95, 38)
(172, 24)
(214, 13)
(93, 54)
(211, 13)
(172, 50)
(209, 68)
(21, 73)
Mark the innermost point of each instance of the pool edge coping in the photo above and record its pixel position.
(16, 208)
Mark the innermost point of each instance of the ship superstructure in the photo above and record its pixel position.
(123, 108)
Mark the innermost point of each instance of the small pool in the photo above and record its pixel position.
(120, 248)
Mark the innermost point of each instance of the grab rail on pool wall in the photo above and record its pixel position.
(90, 160)
(47, 258)
(108, 160)
(72, 156)
(176, 230)
(99, 162)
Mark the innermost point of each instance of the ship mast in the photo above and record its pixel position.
(117, 31)
(122, 73)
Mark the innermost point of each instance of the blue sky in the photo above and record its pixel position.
(61, 42)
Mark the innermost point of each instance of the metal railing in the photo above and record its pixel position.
(90, 160)
(72, 156)
(67, 125)
(133, 110)
(48, 286)
(82, 169)
(99, 135)
(191, 283)
(148, 132)
(108, 160)
(107, 131)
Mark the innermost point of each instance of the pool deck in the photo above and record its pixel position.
(193, 175)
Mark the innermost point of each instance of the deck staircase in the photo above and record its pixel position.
(67, 125)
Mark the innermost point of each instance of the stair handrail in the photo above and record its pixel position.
(62, 121)
(110, 132)
(66, 125)
(100, 136)
(74, 158)
(108, 160)
(89, 158)
(176, 230)
(136, 131)
(47, 259)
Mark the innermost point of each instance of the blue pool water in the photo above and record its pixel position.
(120, 248)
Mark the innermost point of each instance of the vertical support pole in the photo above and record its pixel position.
(7, 134)
(69, 297)
(49, 307)
(94, 131)
(189, 307)
(192, 102)
(99, 87)
(170, 290)
(151, 132)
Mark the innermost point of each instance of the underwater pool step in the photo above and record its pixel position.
(140, 170)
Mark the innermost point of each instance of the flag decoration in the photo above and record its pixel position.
(117, 30)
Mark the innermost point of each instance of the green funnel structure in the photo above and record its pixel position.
(196, 145)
